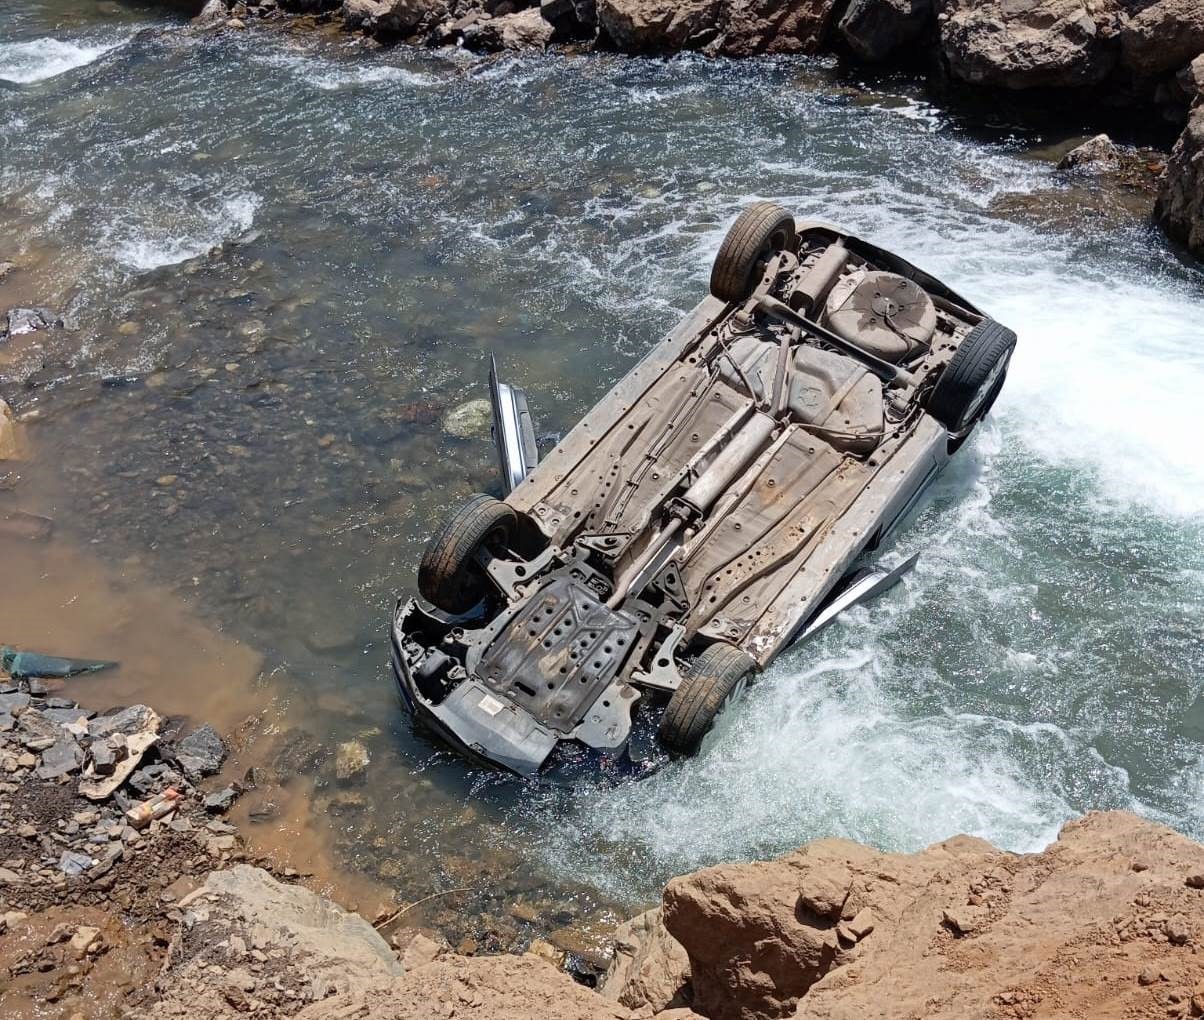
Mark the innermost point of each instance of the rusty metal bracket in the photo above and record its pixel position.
(664, 674)
(511, 576)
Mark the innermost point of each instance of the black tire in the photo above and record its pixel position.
(711, 682)
(762, 229)
(973, 378)
(448, 575)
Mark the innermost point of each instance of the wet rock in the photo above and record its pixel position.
(213, 14)
(771, 26)
(299, 753)
(12, 440)
(1179, 208)
(1025, 44)
(6, 269)
(20, 321)
(1097, 153)
(1163, 36)
(651, 26)
(877, 29)
(201, 753)
(350, 760)
(650, 969)
(221, 800)
(521, 30)
(471, 419)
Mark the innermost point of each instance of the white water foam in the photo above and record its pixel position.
(332, 76)
(24, 63)
(154, 240)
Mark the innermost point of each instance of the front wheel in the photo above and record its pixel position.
(449, 576)
(716, 678)
(973, 378)
(762, 230)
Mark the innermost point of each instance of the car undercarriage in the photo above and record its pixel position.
(722, 501)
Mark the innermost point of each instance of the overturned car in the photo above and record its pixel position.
(720, 503)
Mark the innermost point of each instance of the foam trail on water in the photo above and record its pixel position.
(153, 241)
(24, 63)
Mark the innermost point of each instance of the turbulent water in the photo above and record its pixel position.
(288, 261)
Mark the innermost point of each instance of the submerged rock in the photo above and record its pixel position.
(468, 420)
(350, 760)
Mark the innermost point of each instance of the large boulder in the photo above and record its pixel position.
(522, 30)
(773, 26)
(877, 29)
(1180, 204)
(650, 970)
(1106, 920)
(1163, 37)
(394, 17)
(659, 26)
(1025, 44)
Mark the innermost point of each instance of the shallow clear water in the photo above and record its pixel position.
(290, 258)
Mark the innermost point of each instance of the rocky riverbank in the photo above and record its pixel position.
(110, 906)
(1143, 57)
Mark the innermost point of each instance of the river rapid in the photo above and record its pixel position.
(289, 258)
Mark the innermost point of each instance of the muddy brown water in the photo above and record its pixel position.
(288, 261)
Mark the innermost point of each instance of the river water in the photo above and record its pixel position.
(288, 259)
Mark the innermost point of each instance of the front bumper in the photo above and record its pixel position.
(484, 728)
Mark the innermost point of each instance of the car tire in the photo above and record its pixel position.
(448, 574)
(973, 378)
(762, 229)
(713, 680)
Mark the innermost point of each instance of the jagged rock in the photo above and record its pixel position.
(134, 730)
(650, 969)
(876, 29)
(220, 800)
(519, 31)
(36, 732)
(1163, 37)
(773, 26)
(201, 753)
(1024, 44)
(72, 864)
(1179, 207)
(60, 759)
(1191, 79)
(213, 14)
(395, 17)
(658, 26)
(28, 320)
(1098, 153)
(570, 19)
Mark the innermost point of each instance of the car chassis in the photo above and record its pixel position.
(716, 506)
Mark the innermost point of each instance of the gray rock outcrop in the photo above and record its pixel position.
(1179, 208)
(1025, 44)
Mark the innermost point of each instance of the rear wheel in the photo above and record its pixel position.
(973, 378)
(716, 677)
(449, 576)
(761, 230)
